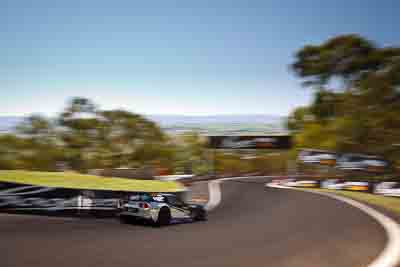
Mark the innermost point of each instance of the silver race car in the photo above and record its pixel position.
(159, 209)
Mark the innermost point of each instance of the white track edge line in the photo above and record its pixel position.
(214, 190)
(390, 255)
(214, 197)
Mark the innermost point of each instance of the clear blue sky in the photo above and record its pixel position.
(171, 57)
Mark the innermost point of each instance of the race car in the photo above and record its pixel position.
(159, 209)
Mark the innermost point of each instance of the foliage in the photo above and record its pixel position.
(356, 99)
(262, 162)
(192, 155)
(84, 137)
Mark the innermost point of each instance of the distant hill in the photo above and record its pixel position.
(8, 123)
(167, 120)
(222, 124)
(210, 124)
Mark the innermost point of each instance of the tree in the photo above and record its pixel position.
(299, 118)
(357, 92)
(123, 134)
(39, 148)
(86, 137)
(79, 124)
(347, 58)
(194, 152)
(36, 126)
(11, 152)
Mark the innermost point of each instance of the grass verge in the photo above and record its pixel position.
(81, 181)
(390, 203)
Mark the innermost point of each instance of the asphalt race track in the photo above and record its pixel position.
(253, 226)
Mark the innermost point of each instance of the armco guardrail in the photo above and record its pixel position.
(33, 199)
(22, 198)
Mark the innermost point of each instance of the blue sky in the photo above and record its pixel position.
(171, 57)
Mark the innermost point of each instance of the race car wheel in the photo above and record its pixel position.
(198, 214)
(201, 215)
(164, 217)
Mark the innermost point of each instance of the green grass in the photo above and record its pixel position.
(80, 181)
(389, 203)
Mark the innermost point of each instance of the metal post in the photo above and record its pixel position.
(214, 162)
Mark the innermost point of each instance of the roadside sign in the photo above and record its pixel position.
(250, 142)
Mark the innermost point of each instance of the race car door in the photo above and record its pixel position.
(178, 208)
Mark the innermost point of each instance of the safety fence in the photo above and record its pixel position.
(385, 188)
(33, 199)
